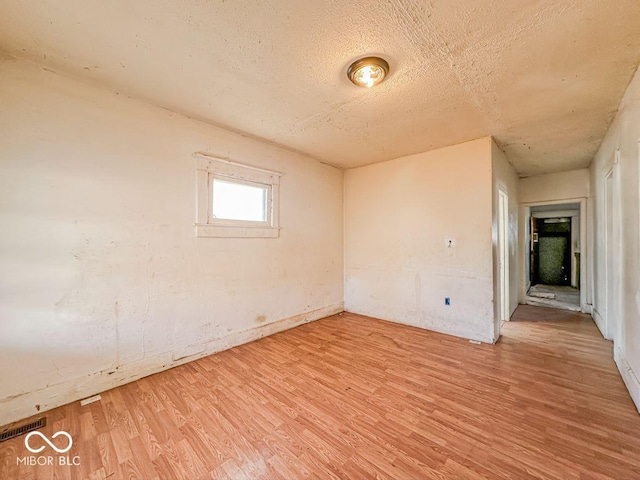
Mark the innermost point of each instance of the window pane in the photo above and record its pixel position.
(236, 201)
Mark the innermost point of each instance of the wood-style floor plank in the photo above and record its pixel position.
(354, 397)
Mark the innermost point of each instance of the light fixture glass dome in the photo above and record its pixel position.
(368, 71)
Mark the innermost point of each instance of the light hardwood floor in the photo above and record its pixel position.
(353, 397)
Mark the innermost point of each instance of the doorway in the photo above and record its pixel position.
(552, 251)
(554, 256)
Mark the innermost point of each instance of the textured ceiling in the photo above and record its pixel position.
(543, 77)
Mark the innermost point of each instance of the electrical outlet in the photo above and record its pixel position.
(447, 301)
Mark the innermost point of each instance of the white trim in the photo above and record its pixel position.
(205, 159)
(21, 406)
(503, 257)
(599, 321)
(584, 255)
(557, 214)
(220, 231)
(628, 376)
(431, 328)
(202, 196)
(208, 168)
(612, 245)
(606, 236)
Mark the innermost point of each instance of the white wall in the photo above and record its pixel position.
(398, 217)
(554, 186)
(505, 178)
(623, 134)
(563, 187)
(103, 280)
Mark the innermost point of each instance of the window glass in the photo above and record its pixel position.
(239, 201)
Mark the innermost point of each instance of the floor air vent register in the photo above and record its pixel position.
(17, 431)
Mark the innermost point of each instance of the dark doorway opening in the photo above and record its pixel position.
(551, 251)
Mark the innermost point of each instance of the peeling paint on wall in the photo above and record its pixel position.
(108, 281)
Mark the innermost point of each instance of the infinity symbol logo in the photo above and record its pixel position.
(57, 434)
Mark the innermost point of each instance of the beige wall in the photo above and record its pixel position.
(618, 315)
(505, 178)
(399, 216)
(103, 279)
(554, 186)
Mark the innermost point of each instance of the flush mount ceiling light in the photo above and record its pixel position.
(368, 71)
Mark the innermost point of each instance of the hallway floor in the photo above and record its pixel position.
(554, 296)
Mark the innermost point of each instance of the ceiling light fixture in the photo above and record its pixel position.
(368, 71)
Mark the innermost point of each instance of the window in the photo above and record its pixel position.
(235, 200)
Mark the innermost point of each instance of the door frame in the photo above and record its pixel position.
(503, 255)
(612, 245)
(525, 214)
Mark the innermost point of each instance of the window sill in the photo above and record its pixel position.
(217, 231)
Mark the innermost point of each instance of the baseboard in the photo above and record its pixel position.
(599, 321)
(628, 376)
(17, 407)
(431, 328)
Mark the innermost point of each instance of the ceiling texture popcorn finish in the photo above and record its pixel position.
(544, 78)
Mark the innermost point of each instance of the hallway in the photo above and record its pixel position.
(554, 296)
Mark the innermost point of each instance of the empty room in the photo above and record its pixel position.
(299, 239)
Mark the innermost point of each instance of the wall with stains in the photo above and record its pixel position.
(399, 218)
(103, 279)
(555, 186)
(616, 297)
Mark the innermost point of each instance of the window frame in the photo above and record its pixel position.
(209, 168)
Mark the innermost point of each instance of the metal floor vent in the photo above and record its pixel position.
(16, 432)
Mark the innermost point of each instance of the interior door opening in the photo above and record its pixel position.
(555, 256)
